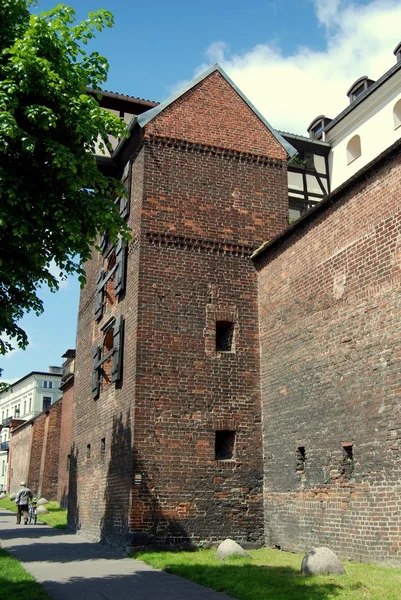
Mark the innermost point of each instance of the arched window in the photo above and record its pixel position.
(353, 149)
(397, 114)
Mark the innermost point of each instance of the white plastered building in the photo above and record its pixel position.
(27, 398)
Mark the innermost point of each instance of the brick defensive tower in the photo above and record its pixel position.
(167, 417)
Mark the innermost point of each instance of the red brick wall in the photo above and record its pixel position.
(38, 434)
(20, 450)
(65, 444)
(212, 113)
(48, 474)
(329, 305)
(196, 213)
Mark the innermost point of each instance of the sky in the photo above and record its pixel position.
(293, 59)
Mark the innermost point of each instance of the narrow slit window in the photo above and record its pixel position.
(102, 447)
(347, 465)
(88, 451)
(224, 445)
(301, 460)
(224, 336)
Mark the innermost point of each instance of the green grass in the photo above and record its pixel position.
(275, 575)
(56, 518)
(16, 583)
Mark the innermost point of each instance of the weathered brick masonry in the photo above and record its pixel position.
(34, 454)
(208, 186)
(64, 461)
(329, 306)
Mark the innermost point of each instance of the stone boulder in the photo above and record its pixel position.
(12, 496)
(41, 510)
(321, 561)
(230, 548)
(3, 495)
(42, 501)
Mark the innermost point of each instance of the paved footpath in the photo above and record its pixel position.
(72, 568)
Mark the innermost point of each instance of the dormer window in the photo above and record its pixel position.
(358, 88)
(317, 126)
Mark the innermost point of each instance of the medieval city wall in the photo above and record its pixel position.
(330, 306)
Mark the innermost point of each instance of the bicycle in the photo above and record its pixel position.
(32, 512)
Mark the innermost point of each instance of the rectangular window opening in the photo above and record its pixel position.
(224, 445)
(301, 459)
(88, 451)
(224, 336)
(102, 447)
(46, 402)
(347, 465)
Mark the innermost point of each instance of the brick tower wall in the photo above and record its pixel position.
(331, 357)
(202, 198)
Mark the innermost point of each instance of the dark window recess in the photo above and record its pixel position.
(301, 459)
(224, 445)
(224, 336)
(46, 402)
(102, 447)
(107, 359)
(347, 465)
(298, 207)
(88, 451)
(111, 280)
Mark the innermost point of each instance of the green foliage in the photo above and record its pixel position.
(54, 200)
(16, 583)
(275, 575)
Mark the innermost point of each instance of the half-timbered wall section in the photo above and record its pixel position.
(308, 174)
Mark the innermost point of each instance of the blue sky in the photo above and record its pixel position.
(294, 59)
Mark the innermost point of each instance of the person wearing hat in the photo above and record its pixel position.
(22, 501)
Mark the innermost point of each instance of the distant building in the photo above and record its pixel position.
(26, 399)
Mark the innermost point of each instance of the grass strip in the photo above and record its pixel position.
(56, 518)
(275, 575)
(16, 583)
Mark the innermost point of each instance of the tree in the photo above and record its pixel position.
(54, 200)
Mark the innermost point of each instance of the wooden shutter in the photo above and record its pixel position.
(118, 335)
(104, 241)
(99, 296)
(119, 276)
(96, 357)
(125, 202)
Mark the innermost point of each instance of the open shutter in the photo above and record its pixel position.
(99, 296)
(119, 276)
(118, 334)
(125, 202)
(103, 241)
(96, 357)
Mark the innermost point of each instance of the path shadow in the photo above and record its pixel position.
(63, 551)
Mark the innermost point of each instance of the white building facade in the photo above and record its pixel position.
(370, 124)
(28, 397)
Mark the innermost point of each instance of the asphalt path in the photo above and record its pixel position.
(71, 567)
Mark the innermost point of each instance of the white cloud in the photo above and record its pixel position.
(59, 275)
(16, 350)
(290, 91)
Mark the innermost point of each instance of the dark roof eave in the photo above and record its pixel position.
(117, 96)
(327, 202)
